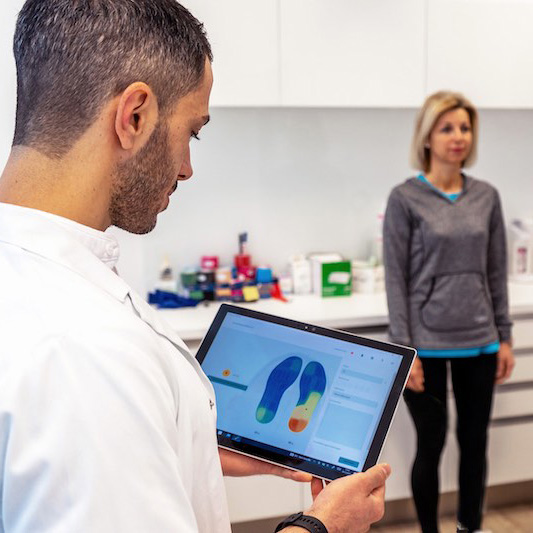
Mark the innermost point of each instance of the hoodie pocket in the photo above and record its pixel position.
(457, 302)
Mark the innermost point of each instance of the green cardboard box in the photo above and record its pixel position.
(332, 278)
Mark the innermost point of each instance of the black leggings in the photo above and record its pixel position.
(473, 384)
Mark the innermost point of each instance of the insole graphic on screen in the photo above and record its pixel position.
(312, 387)
(280, 379)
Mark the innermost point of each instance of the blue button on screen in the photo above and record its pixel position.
(348, 462)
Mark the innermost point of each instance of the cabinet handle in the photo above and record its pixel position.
(511, 420)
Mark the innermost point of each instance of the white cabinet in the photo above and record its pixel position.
(509, 452)
(509, 403)
(523, 334)
(341, 53)
(399, 451)
(523, 370)
(344, 53)
(258, 497)
(244, 38)
(511, 426)
(483, 48)
(509, 447)
(358, 53)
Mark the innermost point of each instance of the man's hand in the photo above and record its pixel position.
(352, 503)
(236, 464)
(415, 382)
(505, 363)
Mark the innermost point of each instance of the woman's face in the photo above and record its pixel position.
(450, 140)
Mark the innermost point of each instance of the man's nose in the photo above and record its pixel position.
(186, 167)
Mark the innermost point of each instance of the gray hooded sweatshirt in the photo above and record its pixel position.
(446, 266)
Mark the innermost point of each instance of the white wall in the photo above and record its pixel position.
(295, 179)
(313, 179)
(8, 89)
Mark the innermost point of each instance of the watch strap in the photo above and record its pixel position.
(312, 524)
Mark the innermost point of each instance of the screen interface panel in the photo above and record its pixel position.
(317, 398)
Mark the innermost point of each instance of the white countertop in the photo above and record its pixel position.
(357, 310)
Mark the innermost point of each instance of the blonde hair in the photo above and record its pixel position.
(434, 107)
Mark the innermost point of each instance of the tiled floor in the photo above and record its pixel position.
(517, 519)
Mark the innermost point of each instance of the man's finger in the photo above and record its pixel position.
(295, 475)
(302, 477)
(316, 487)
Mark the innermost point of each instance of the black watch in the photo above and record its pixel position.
(312, 524)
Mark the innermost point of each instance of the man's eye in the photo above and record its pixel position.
(194, 135)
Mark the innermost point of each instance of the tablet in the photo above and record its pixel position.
(302, 396)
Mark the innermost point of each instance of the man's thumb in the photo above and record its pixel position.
(377, 475)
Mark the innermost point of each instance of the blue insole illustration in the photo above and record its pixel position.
(280, 379)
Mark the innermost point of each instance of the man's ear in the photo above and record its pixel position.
(136, 116)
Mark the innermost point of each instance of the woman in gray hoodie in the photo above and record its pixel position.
(446, 277)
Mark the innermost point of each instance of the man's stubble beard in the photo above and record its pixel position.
(139, 184)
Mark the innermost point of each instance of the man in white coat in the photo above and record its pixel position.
(107, 423)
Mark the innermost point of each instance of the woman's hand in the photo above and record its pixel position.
(506, 363)
(236, 464)
(415, 381)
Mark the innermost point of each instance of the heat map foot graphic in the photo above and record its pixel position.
(280, 379)
(312, 387)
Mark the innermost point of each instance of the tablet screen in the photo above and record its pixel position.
(299, 395)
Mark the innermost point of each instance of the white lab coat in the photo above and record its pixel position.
(107, 423)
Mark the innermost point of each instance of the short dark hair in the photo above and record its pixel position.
(73, 56)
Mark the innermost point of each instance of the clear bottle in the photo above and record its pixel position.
(166, 280)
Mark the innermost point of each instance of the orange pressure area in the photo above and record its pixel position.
(301, 414)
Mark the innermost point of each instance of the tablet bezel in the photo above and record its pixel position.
(275, 455)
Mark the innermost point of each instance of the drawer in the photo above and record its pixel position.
(399, 452)
(258, 497)
(513, 403)
(523, 370)
(509, 453)
(523, 333)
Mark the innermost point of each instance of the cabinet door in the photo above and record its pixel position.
(352, 53)
(510, 403)
(509, 453)
(258, 497)
(399, 451)
(522, 333)
(244, 37)
(483, 48)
